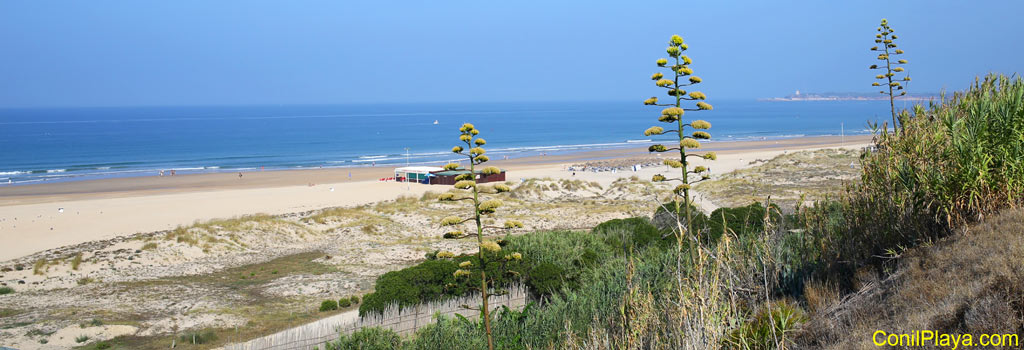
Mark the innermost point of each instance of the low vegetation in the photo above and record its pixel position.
(888, 251)
(791, 179)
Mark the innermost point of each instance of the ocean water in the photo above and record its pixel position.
(40, 145)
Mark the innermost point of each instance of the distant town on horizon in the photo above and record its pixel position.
(849, 96)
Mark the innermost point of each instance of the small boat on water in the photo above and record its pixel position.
(435, 121)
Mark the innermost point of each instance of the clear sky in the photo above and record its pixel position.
(201, 52)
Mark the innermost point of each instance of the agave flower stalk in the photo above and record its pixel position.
(466, 189)
(887, 53)
(688, 134)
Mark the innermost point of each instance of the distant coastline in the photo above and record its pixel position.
(850, 96)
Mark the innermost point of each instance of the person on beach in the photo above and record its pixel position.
(239, 174)
(161, 173)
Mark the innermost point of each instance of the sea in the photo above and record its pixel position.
(39, 145)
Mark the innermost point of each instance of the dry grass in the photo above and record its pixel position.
(41, 267)
(971, 283)
(815, 174)
(820, 295)
(205, 234)
(76, 261)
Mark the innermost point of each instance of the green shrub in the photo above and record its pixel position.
(367, 339)
(328, 305)
(742, 221)
(354, 299)
(82, 338)
(102, 345)
(344, 302)
(545, 279)
(771, 328)
(630, 234)
(410, 286)
(6, 290)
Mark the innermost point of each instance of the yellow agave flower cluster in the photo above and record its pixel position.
(476, 153)
(681, 76)
(467, 182)
(886, 37)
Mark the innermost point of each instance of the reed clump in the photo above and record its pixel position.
(953, 164)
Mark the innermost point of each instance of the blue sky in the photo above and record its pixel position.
(124, 53)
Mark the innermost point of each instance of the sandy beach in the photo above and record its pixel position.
(38, 217)
(112, 247)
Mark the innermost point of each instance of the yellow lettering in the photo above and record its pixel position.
(943, 339)
(1014, 340)
(927, 335)
(967, 340)
(956, 340)
(874, 337)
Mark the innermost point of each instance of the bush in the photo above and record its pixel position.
(742, 221)
(410, 286)
(629, 234)
(82, 338)
(328, 305)
(545, 279)
(102, 345)
(428, 281)
(367, 339)
(6, 290)
(343, 303)
(354, 299)
(771, 328)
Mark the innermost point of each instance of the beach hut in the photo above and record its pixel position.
(419, 174)
(447, 177)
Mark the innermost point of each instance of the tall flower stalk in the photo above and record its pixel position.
(681, 77)
(466, 189)
(887, 53)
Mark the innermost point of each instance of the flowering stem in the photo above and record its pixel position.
(480, 250)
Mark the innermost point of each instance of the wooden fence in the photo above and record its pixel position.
(404, 322)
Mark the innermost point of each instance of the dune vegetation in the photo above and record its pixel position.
(924, 235)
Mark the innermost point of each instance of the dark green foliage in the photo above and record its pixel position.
(629, 234)
(344, 302)
(427, 281)
(354, 299)
(6, 290)
(572, 252)
(410, 286)
(742, 221)
(328, 305)
(367, 339)
(102, 345)
(545, 279)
